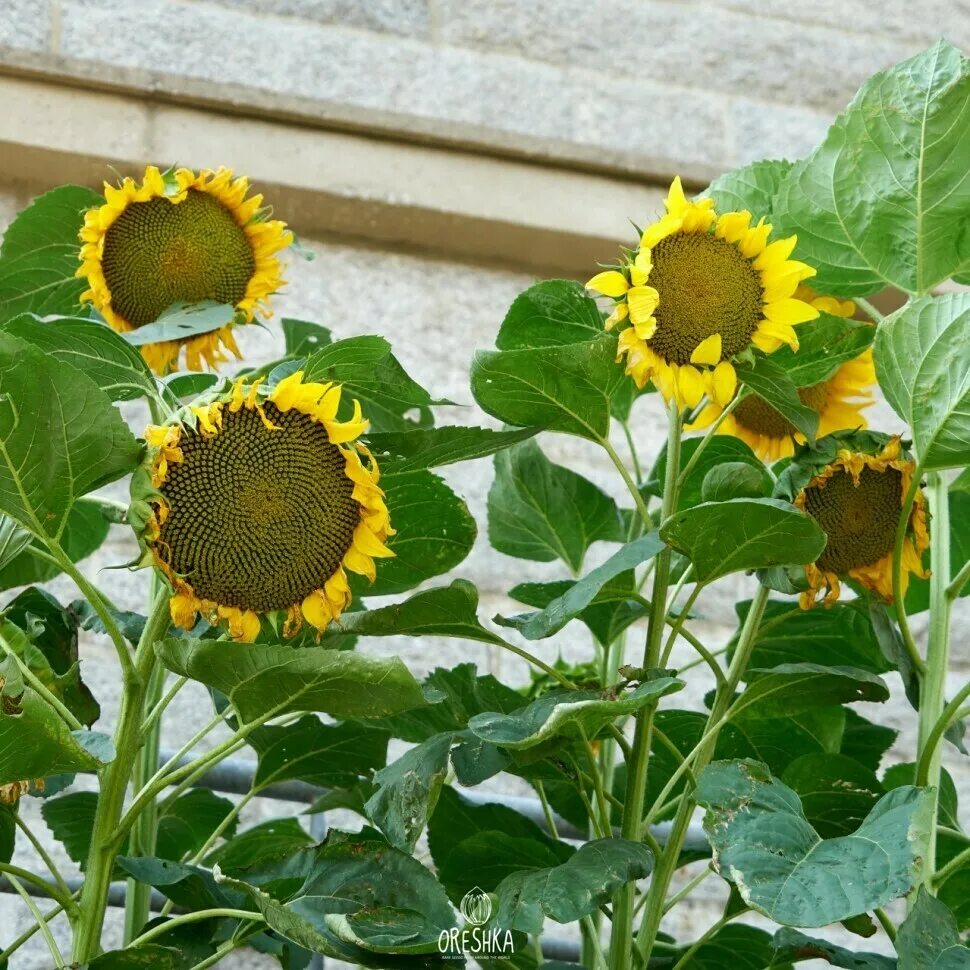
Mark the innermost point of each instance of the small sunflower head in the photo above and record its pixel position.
(854, 485)
(839, 401)
(180, 237)
(701, 289)
(255, 502)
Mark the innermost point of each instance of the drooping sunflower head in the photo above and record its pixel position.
(839, 401)
(255, 502)
(701, 289)
(180, 237)
(855, 485)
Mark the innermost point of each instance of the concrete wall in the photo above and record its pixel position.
(397, 135)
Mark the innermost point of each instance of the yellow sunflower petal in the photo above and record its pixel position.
(708, 351)
(610, 283)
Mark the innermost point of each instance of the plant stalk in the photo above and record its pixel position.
(933, 692)
(668, 862)
(114, 784)
(621, 942)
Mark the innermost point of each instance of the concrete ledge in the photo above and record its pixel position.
(352, 185)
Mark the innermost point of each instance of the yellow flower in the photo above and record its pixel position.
(180, 237)
(856, 499)
(839, 401)
(261, 502)
(701, 289)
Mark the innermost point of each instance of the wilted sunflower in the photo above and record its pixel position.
(180, 237)
(701, 289)
(854, 486)
(258, 502)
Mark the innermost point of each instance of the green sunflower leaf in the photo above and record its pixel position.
(266, 680)
(434, 532)
(550, 314)
(791, 945)
(93, 348)
(824, 345)
(794, 687)
(721, 538)
(923, 366)
(407, 791)
(885, 198)
(752, 187)
(39, 255)
(735, 479)
(928, 938)
(84, 531)
(328, 755)
(445, 611)
(188, 886)
(301, 337)
(182, 321)
(541, 511)
(70, 817)
(574, 889)
(359, 898)
(536, 626)
(563, 388)
(775, 386)
(562, 712)
(370, 372)
(761, 839)
(60, 437)
(719, 451)
(35, 741)
(403, 451)
(839, 634)
(836, 792)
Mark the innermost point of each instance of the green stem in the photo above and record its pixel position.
(933, 692)
(592, 937)
(11, 872)
(28, 675)
(874, 314)
(602, 821)
(900, 607)
(39, 917)
(634, 457)
(157, 711)
(628, 481)
(954, 589)
(68, 900)
(94, 597)
(687, 889)
(536, 662)
(952, 712)
(678, 623)
(114, 783)
(957, 862)
(144, 831)
(886, 923)
(706, 440)
(701, 940)
(621, 943)
(28, 934)
(667, 864)
(198, 916)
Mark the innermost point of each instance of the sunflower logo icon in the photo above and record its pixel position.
(476, 907)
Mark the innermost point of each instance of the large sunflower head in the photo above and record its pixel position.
(180, 237)
(254, 502)
(854, 486)
(701, 289)
(839, 401)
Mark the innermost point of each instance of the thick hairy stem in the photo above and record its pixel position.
(933, 692)
(114, 784)
(621, 943)
(667, 864)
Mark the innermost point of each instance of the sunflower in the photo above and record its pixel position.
(854, 486)
(839, 401)
(253, 502)
(180, 237)
(700, 290)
